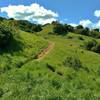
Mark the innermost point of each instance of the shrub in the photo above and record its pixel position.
(38, 28)
(50, 67)
(56, 84)
(70, 37)
(79, 27)
(90, 44)
(96, 29)
(69, 28)
(96, 48)
(5, 36)
(60, 73)
(73, 62)
(1, 18)
(95, 34)
(26, 26)
(84, 31)
(93, 46)
(1, 92)
(98, 71)
(80, 38)
(59, 29)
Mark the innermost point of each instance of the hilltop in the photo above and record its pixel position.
(48, 62)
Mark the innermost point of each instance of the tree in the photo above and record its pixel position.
(37, 28)
(95, 34)
(1, 18)
(85, 31)
(11, 18)
(69, 28)
(79, 27)
(55, 22)
(27, 26)
(60, 29)
(96, 48)
(96, 29)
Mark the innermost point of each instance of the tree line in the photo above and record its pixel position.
(62, 29)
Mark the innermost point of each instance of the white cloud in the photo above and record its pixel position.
(85, 23)
(96, 25)
(97, 13)
(33, 12)
(73, 24)
(88, 23)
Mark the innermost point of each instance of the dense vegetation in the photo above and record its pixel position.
(64, 29)
(5, 36)
(23, 25)
(93, 46)
(69, 71)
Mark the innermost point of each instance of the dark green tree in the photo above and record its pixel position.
(60, 29)
(79, 27)
(5, 36)
(69, 28)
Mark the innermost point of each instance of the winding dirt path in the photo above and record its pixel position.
(43, 53)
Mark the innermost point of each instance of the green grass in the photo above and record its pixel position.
(24, 46)
(35, 81)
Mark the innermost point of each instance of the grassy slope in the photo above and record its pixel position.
(35, 81)
(23, 47)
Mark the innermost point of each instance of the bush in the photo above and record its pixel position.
(79, 27)
(70, 37)
(95, 34)
(60, 29)
(1, 18)
(69, 28)
(93, 46)
(84, 31)
(96, 29)
(26, 26)
(5, 36)
(73, 62)
(1, 92)
(56, 84)
(96, 48)
(50, 67)
(80, 38)
(38, 28)
(90, 44)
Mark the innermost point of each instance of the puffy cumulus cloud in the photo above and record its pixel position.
(33, 12)
(73, 24)
(90, 24)
(97, 13)
(85, 23)
(98, 24)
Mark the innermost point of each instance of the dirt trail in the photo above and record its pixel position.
(43, 53)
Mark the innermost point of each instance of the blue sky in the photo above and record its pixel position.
(69, 11)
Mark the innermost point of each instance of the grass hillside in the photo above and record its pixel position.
(23, 47)
(67, 72)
